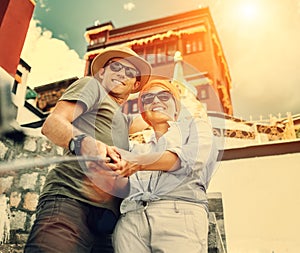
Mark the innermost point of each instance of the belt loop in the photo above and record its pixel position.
(176, 207)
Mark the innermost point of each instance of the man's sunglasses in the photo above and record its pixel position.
(148, 98)
(116, 66)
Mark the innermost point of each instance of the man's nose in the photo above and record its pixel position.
(121, 73)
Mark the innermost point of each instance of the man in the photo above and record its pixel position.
(74, 214)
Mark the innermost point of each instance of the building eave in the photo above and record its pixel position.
(261, 150)
(132, 40)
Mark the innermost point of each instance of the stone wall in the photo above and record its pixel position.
(20, 188)
(21, 183)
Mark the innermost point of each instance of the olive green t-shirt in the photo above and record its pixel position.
(102, 119)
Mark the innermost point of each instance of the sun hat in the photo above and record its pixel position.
(166, 85)
(128, 54)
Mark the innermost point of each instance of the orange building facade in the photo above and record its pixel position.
(192, 33)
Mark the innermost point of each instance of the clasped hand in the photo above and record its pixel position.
(113, 164)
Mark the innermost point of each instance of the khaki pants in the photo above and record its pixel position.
(163, 227)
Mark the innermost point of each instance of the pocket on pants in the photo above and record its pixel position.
(197, 225)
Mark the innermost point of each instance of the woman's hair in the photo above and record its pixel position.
(166, 85)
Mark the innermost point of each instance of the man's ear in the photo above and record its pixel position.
(100, 73)
(136, 85)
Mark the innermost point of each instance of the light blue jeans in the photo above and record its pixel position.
(163, 226)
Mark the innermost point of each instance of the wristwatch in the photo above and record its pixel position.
(75, 144)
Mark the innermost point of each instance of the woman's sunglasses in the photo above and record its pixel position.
(163, 96)
(117, 66)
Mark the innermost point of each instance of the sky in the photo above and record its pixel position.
(260, 39)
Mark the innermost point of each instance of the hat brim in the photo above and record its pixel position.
(144, 67)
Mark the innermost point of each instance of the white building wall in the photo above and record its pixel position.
(261, 203)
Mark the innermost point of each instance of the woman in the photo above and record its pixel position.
(166, 210)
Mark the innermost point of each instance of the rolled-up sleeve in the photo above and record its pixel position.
(192, 141)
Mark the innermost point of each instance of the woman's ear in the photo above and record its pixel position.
(176, 115)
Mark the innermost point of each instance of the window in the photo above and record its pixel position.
(203, 92)
(158, 52)
(188, 47)
(193, 43)
(171, 48)
(98, 38)
(150, 55)
(200, 45)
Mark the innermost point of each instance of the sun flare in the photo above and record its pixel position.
(249, 11)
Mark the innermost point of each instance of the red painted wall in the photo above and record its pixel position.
(15, 16)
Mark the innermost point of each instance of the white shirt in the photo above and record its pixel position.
(193, 142)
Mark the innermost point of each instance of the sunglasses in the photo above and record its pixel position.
(116, 66)
(163, 96)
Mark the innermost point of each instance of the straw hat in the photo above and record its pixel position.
(128, 54)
